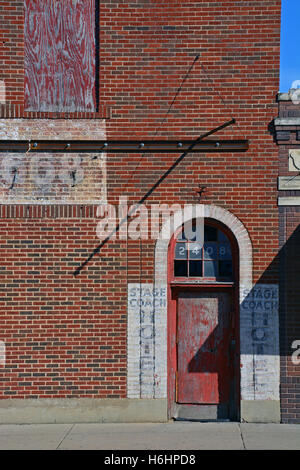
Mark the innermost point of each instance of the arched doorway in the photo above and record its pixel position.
(203, 324)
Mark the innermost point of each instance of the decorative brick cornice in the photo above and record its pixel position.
(287, 124)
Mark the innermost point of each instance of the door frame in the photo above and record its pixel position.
(174, 287)
(172, 344)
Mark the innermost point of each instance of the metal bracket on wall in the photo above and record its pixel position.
(124, 146)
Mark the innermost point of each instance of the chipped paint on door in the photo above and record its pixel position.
(203, 348)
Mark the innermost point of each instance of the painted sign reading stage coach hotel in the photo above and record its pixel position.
(259, 342)
(147, 341)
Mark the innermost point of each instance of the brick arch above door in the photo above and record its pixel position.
(221, 215)
(147, 375)
(161, 278)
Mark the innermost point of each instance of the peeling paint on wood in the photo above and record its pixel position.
(60, 55)
(203, 347)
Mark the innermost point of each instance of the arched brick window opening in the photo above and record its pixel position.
(209, 261)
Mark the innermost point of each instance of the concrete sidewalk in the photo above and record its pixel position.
(169, 436)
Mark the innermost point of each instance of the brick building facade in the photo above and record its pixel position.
(89, 334)
(287, 127)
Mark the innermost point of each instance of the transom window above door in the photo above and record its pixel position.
(210, 261)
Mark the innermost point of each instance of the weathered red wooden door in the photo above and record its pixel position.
(204, 335)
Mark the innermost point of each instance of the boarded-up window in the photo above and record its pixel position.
(60, 54)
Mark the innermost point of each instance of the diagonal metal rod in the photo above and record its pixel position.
(151, 190)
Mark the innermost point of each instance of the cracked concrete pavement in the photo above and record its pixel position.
(151, 436)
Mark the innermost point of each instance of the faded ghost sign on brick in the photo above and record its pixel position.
(52, 178)
(60, 55)
(147, 341)
(259, 342)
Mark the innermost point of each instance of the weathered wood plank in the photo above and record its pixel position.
(60, 55)
(203, 348)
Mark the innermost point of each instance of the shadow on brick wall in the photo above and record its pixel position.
(289, 308)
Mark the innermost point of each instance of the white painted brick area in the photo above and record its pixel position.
(259, 330)
(146, 341)
(2, 354)
(49, 178)
(52, 129)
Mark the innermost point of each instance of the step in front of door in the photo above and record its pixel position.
(201, 412)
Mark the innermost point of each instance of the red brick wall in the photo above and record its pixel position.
(74, 328)
(64, 337)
